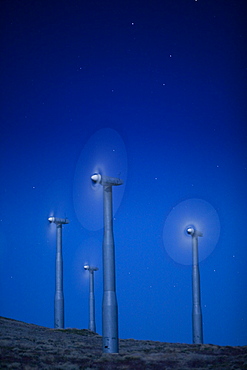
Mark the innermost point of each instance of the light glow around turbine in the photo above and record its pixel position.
(103, 154)
(195, 214)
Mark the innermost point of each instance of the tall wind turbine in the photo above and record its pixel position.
(197, 328)
(109, 306)
(103, 154)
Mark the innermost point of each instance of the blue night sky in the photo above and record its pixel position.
(153, 92)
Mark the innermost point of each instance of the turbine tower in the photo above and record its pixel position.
(109, 306)
(59, 299)
(196, 295)
(91, 325)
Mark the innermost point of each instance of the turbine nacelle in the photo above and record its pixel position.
(90, 268)
(106, 180)
(58, 221)
(193, 232)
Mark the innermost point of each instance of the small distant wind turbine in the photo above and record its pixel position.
(91, 269)
(59, 298)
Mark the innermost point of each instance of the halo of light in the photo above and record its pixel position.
(104, 153)
(51, 227)
(201, 216)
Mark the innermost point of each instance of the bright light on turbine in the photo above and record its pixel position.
(96, 177)
(190, 231)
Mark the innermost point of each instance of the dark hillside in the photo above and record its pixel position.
(28, 346)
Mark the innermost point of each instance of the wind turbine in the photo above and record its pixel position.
(103, 154)
(197, 329)
(195, 218)
(59, 297)
(109, 306)
(91, 325)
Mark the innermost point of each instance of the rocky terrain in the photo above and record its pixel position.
(28, 346)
